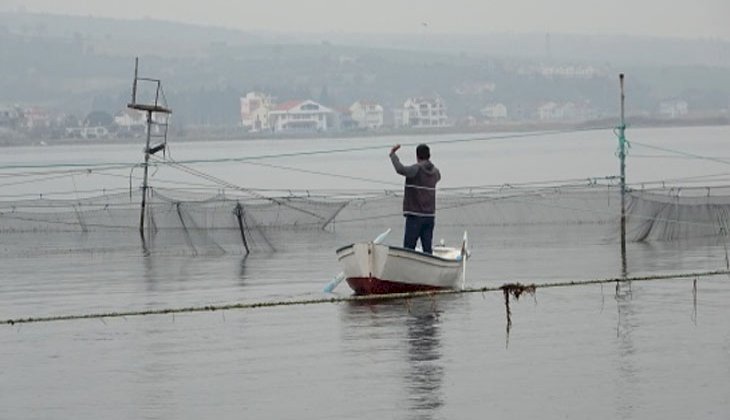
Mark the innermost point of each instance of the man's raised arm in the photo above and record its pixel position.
(407, 171)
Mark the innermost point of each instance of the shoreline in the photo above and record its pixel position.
(235, 134)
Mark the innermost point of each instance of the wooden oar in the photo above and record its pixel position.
(329, 287)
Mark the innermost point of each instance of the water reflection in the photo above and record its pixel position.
(242, 270)
(379, 328)
(150, 273)
(627, 392)
(425, 373)
(684, 255)
(145, 246)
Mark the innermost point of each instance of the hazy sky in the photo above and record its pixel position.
(675, 18)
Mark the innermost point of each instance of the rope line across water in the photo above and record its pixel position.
(354, 298)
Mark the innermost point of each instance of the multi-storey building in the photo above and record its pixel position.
(421, 113)
(255, 109)
(367, 114)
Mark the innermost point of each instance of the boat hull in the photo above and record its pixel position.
(374, 286)
(371, 268)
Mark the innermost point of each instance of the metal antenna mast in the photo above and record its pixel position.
(622, 143)
(158, 125)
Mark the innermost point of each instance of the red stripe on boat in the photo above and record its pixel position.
(373, 286)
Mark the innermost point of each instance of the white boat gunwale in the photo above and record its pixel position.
(409, 252)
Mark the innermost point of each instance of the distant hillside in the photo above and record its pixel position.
(117, 36)
(122, 36)
(617, 51)
(80, 64)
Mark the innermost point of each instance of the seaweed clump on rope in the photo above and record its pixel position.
(515, 290)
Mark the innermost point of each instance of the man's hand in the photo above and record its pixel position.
(394, 148)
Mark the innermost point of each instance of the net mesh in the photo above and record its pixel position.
(203, 222)
(678, 213)
(503, 206)
(231, 222)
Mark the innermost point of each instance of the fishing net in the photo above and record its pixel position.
(234, 222)
(496, 206)
(678, 213)
(201, 222)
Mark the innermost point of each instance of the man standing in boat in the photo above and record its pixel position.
(419, 198)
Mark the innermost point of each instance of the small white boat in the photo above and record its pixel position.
(373, 268)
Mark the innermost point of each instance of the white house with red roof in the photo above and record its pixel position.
(368, 114)
(304, 115)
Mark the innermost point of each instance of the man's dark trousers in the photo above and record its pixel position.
(419, 227)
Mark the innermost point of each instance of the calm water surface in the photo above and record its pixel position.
(655, 350)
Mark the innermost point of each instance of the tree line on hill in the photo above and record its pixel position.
(79, 65)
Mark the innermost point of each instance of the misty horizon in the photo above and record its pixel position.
(86, 63)
(651, 18)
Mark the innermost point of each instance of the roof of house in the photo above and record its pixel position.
(286, 106)
(289, 106)
(435, 100)
(367, 102)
